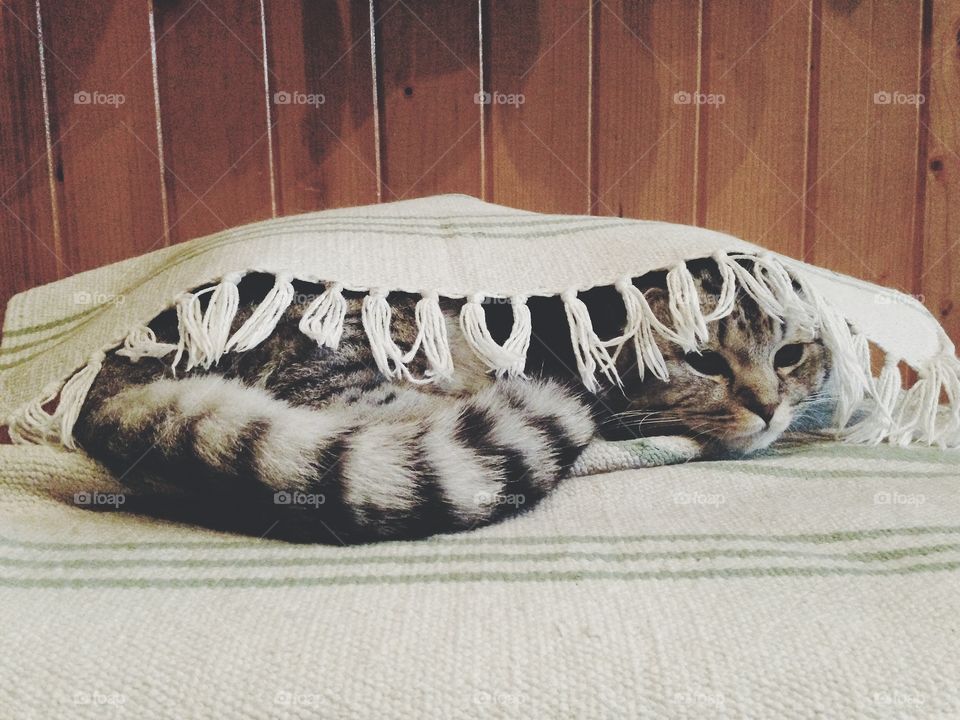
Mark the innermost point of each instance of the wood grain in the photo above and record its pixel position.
(537, 88)
(29, 251)
(940, 272)
(864, 194)
(103, 121)
(214, 114)
(322, 104)
(428, 56)
(755, 120)
(645, 135)
(806, 155)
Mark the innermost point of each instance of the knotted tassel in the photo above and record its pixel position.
(142, 342)
(31, 424)
(432, 335)
(639, 327)
(264, 319)
(194, 341)
(34, 425)
(750, 284)
(72, 396)
(219, 316)
(728, 289)
(852, 369)
(771, 273)
(473, 323)
(588, 349)
(684, 302)
(324, 317)
(518, 342)
(376, 315)
(881, 422)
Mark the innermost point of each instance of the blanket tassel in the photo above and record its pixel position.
(639, 327)
(589, 350)
(142, 342)
(264, 319)
(324, 317)
(376, 315)
(432, 336)
(34, 425)
(499, 358)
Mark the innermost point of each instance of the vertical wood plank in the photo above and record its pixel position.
(863, 210)
(645, 137)
(429, 65)
(29, 254)
(538, 96)
(940, 273)
(322, 104)
(103, 123)
(213, 107)
(754, 110)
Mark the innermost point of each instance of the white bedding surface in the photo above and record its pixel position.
(820, 581)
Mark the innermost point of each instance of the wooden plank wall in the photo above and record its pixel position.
(825, 129)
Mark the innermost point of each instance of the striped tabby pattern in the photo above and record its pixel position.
(316, 444)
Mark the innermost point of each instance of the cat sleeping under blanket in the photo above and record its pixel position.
(313, 444)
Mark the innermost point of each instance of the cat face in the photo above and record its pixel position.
(751, 379)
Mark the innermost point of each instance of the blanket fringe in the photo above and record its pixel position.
(892, 414)
(376, 315)
(324, 317)
(589, 350)
(142, 342)
(502, 359)
(639, 327)
(519, 340)
(914, 415)
(34, 425)
(689, 323)
(432, 336)
(264, 319)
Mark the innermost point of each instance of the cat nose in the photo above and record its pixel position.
(764, 411)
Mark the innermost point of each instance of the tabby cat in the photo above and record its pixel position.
(311, 444)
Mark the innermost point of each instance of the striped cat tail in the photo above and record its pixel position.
(408, 464)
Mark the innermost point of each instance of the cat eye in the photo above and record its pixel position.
(788, 356)
(708, 363)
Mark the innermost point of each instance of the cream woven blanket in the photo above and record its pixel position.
(456, 246)
(820, 581)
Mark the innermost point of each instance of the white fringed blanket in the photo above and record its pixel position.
(816, 581)
(456, 246)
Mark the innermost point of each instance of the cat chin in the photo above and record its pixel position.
(751, 442)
